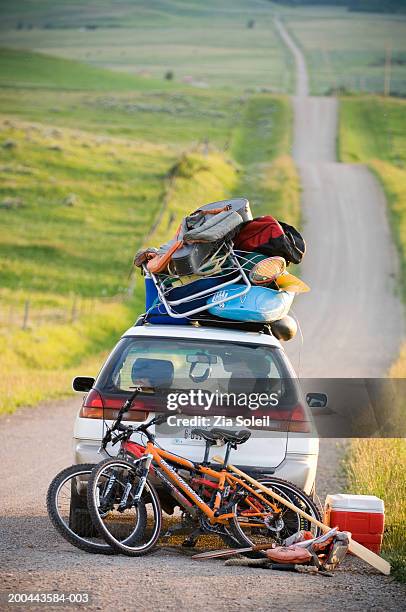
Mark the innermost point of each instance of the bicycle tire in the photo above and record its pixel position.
(131, 546)
(293, 494)
(75, 528)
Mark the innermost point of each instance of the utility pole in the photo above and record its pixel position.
(387, 71)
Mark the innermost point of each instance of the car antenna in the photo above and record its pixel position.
(301, 341)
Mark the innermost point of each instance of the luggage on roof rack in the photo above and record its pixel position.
(257, 304)
(271, 237)
(199, 235)
(199, 275)
(183, 301)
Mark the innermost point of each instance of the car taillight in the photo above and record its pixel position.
(299, 421)
(294, 420)
(97, 407)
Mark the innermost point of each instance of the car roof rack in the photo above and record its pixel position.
(250, 326)
(213, 321)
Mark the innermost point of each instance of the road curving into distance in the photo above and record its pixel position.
(351, 321)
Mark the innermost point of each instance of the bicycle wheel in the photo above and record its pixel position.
(67, 509)
(110, 498)
(255, 522)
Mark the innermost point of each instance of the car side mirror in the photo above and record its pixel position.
(317, 400)
(83, 383)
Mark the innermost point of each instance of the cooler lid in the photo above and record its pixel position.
(356, 503)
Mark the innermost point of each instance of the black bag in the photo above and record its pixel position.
(291, 245)
(297, 245)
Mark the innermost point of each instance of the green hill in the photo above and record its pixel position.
(38, 87)
(21, 68)
(85, 172)
(218, 43)
(73, 206)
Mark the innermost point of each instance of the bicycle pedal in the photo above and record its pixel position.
(176, 530)
(189, 542)
(224, 510)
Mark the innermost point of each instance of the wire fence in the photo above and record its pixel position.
(28, 314)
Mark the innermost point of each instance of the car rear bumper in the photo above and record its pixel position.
(297, 468)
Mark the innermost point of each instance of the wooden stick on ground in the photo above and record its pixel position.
(355, 548)
(229, 552)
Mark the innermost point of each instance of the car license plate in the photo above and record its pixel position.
(188, 438)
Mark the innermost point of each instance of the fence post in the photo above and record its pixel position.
(74, 310)
(26, 313)
(10, 316)
(387, 69)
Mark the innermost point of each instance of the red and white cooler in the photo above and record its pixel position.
(362, 515)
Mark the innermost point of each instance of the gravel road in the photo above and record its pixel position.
(352, 320)
(35, 558)
(350, 329)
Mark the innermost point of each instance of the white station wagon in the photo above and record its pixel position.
(191, 362)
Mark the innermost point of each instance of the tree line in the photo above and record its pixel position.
(371, 6)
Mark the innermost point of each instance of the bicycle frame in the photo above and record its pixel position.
(223, 477)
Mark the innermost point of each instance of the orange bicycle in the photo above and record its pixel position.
(126, 509)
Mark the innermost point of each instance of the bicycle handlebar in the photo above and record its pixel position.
(158, 420)
(117, 426)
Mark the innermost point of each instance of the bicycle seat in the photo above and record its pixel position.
(238, 436)
(206, 434)
(212, 435)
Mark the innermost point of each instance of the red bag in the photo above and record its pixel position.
(270, 237)
(291, 554)
(257, 232)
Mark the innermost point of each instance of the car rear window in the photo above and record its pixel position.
(168, 363)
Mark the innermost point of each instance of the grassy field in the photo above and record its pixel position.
(86, 170)
(73, 206)
(349, 50)
(373, 131)
(378, 467)
(203, 43)
(373, 127)
(134, 108)
(41, 361)
(260, 144)
(30, 70)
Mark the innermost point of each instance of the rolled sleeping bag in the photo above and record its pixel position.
(156, 311)
(284, 329)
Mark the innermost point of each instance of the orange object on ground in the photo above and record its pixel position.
(362, 515)
(291, 554)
